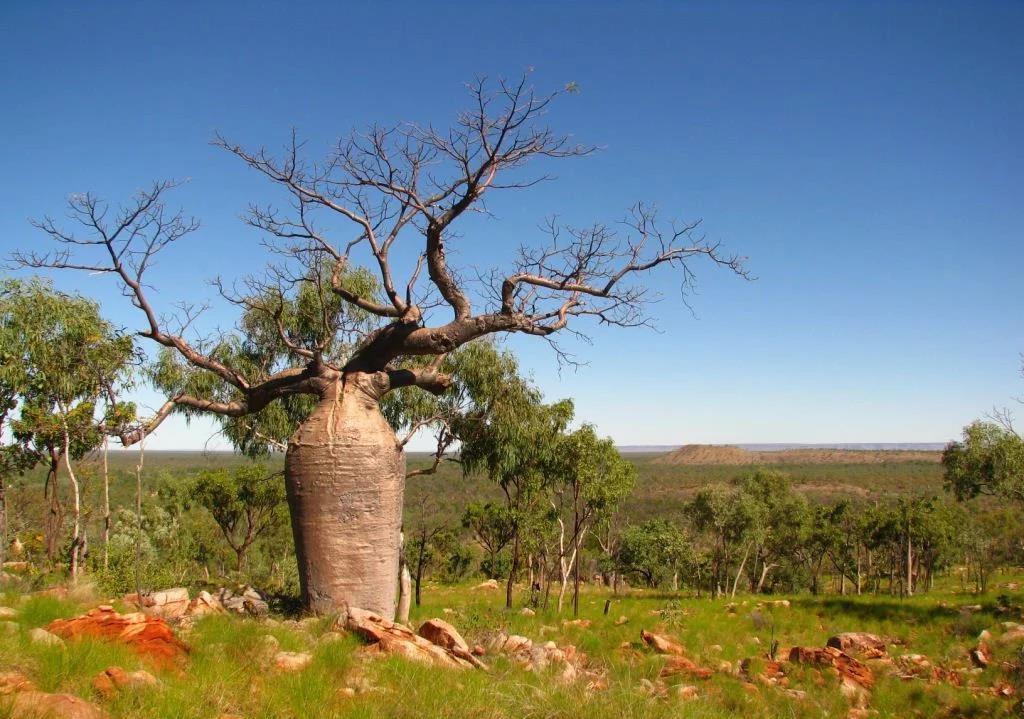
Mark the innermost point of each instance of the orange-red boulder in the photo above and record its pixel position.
(150, 637)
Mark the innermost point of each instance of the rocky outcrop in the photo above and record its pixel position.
(677, 662)
(849, 668)
(389, 637)
(444, 635)
(19, 699)
(42, 705)
(148, 636)
(861, 644)
(113, 679)
(167, 603)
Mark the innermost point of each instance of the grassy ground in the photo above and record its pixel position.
(224, 674)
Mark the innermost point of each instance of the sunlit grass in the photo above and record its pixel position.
(229, 670)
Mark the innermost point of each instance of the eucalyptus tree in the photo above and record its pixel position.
(246, 502)
(517, 447)
(492, 526)
(988, 460)
(590, 480)
(655, 551)
(391, 201)
(61, 359)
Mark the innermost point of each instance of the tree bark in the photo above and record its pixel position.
(106, 503)
(345, 475)
(54, 525)
(404, 596)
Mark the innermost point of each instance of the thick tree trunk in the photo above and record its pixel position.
(345, 476)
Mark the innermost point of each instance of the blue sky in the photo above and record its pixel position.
(867, 157)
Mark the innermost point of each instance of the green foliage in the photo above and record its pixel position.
(989, 460)
(654, 551)
(245, 502)
(58, 359)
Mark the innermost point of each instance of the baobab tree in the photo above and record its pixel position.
(346, 327)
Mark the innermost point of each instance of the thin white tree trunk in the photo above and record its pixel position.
(739, 572)
(564, 564)
(404, 595)
(404, 587)
(77, 506)
(106, 503)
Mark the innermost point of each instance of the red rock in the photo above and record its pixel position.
(981, 655)
(40, 705)
(444, 635)
(869, 646)
(149, 637)
(681, 665)
(13, 682)
(389, 637)
(844, 664)
(110, 680)
(661, 644)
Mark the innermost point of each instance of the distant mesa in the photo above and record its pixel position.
(730, 454)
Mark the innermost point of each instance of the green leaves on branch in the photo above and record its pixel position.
(988, 460)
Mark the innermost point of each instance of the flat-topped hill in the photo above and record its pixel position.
(732, 455)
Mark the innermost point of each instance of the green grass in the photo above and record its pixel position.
(224, 673)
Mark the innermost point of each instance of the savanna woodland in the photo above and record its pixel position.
(548, 574)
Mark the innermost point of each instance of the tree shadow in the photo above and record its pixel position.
(870, 608)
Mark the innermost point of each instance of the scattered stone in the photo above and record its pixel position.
(863, 644)
(244, 601)
(388, 637)
(548, 629)
(112, 679)
(444, 635)
(850, 670)
(266, 647)
(478, 650)
(17, 567)
(621, 620)
(686, 692)
(780, 604)
(13, 682)
(329, 637)
(9, 627)
(8, 613)
(715, 648)
(292, 661)
(579, 623)
(204, 603)
(169, 603)
(45, 638)
(980, 655)
(1013, 635)
(448, 610)
(1002, 689)
(656, 690)
(676, 665)
(146, 635)
(489, 584)
(511, 644)
(41, 705)
(527, 612)
(661, 644)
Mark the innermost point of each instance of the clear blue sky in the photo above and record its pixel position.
(867, 157)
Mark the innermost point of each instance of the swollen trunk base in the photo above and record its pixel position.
(345, 477)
